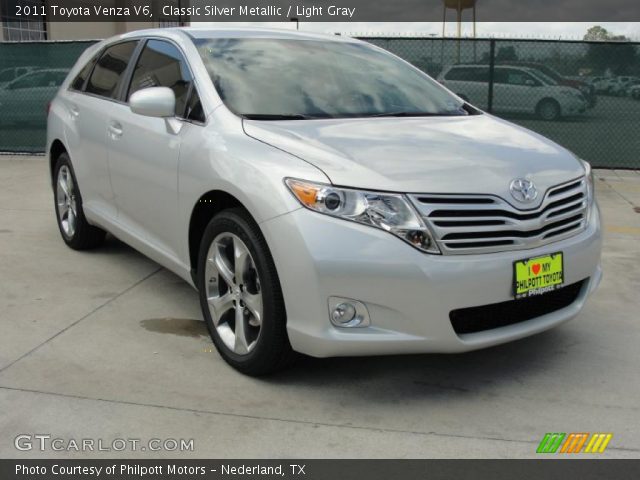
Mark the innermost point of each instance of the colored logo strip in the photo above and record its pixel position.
(574, 442)
(550, 442)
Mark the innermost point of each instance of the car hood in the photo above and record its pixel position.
(471, 154)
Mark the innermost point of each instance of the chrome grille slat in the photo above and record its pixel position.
(474, 223)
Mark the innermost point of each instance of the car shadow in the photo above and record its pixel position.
(389, 378)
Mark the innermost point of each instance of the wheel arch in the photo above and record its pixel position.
(548, 99)
(208, 205)
(57, 148)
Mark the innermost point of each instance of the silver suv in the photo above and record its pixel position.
(322, 195)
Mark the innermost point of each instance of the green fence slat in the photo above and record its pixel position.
(30, 74)
(607, 134)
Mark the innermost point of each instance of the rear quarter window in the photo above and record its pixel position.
(81, 78)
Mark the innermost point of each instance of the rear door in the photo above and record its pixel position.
(514, 90)
(144, 151)
(90, 96)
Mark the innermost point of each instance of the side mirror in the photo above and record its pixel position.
(154, 102)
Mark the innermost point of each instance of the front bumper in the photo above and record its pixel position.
(408, 294)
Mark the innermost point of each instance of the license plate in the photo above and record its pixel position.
(535, 276)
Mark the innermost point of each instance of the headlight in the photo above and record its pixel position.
(588, 173)
(387, 211)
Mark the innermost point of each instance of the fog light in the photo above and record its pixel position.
(343, 313)
(347, 313)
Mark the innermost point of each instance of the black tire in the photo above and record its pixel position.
(84, 236)
(272, 351)
(548, 109)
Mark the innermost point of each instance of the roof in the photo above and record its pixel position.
(257, 32)
(235, 32)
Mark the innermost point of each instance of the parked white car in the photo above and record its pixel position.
(634, 92)
(617, 86)
(601, 84)
(9, 74)
(515, 90)
(322, 195)
(24, 100)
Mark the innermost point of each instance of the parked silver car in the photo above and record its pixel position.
(322, 195)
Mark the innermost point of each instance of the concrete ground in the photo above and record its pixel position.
(109, 345)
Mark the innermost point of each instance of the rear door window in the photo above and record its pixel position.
(108, 72)
(458, 74)
(469, 74)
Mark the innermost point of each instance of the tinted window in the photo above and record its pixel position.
(109, 69)
(79, 81)
(319, 78)
(468, 74)
(512, 77)
(194, 108)
(161, 65)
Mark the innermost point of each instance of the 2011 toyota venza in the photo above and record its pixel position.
(322, 195)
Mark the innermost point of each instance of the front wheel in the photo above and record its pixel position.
(240, 295)
(548, 109)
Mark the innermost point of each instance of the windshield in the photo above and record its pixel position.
(277, 78)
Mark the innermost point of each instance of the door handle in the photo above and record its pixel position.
(115, 129)
(74, 112)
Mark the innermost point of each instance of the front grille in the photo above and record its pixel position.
(464, 224)
(496, 315)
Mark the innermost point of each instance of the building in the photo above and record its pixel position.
(39, 28)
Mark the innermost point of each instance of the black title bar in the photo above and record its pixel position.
(323, 10)
(548, 469)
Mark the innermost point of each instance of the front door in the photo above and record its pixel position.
(144, 151)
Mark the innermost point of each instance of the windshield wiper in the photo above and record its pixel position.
(270, 116)
(402, 113)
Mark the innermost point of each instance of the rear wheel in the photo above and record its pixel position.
(548, 109)
(240, 295)
(76, 232)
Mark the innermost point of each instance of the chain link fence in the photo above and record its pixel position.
(30, 75)
(583, 95)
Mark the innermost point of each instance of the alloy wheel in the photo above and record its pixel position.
(233, 293)
(548, 111)
(66, 201)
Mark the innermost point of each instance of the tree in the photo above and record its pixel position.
(507, 54)
(618, 58)
(597, 33)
